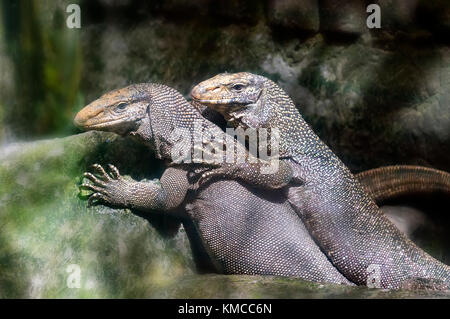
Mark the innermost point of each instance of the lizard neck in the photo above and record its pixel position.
(294, 131)
(174, 121)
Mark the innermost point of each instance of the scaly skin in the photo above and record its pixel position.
(392, 181)
(382, 183)
(340, 215)
(244, 230)
(127, 112)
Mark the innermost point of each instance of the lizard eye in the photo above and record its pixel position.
(237, 87)
(121, 106)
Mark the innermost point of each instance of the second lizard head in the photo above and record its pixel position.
(235, 95)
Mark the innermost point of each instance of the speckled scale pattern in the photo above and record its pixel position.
(393, 181)
(338, 213)
(250, 231)
(170, 110)
(246, 231)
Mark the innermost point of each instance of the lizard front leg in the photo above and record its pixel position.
(113, 189)
(252, 170)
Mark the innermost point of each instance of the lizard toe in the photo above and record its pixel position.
(94, 179)
(94, 198)
(113, 171)
(101, 171)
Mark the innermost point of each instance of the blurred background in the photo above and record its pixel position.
(387, 88)
(375, 96)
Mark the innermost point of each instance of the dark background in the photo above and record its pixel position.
(377, 96)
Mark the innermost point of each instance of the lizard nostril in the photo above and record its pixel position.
(212, 89)
(197, 91)
(78, 120)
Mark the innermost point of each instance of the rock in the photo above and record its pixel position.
(343, 16)
(242, 286)
(296, 15)
(398, 14)
(436, 16)
(46, 227)
(238, 11)
(49, 236)
(373, 107)
(186, 8)
(406, 219)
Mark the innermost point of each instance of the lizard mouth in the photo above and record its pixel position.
(214, 102)
(95, 125)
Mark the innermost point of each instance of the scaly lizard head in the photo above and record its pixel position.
(234, 95)
(118, 111)
(150, 112)
(229, 90)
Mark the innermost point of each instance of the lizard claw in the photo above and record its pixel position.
(103, 175)
(106, 187)
(91, 187)
(93, 179)
(208, 155)
(203, 179)
(95, 197)
(113, 171)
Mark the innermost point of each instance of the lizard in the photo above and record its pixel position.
(244, 229)
(285, 231)
(338, 212)
(382, 183)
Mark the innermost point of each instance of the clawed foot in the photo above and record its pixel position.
(222, 171)
(108, 188)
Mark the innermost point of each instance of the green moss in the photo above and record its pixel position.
(46, 227)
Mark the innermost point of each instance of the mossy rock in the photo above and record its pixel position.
(268, 287)
(46, 227)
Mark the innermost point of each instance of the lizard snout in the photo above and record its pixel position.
(86, 114)
(201, 92)
(197, 92)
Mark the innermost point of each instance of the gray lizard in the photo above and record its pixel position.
(245, 230)
(340, 215)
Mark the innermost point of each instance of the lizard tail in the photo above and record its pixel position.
(391, 181)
